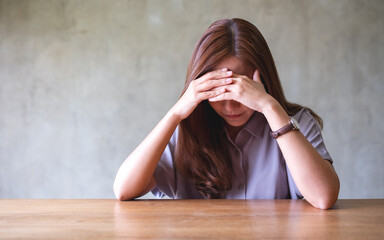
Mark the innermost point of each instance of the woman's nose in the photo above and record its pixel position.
(230, 105)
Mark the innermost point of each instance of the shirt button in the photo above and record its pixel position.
(241, 186)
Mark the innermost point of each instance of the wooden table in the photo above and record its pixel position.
(192, 219)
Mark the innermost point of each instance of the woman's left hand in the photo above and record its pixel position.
(248, 92)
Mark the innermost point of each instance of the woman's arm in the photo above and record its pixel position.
(135, 176)
(314, 176)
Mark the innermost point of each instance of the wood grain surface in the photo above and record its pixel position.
(190, 219)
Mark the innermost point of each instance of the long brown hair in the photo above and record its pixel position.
(202, 154)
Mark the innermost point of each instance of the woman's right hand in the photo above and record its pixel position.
(207, 86)
(135, 176)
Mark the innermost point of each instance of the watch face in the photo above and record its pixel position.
(295, 123)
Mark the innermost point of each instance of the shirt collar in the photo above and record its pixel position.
(256, 124)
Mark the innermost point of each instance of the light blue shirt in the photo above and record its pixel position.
(259, 168)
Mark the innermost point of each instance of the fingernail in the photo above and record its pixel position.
(224, 69)
(228, 80)
(229, 73)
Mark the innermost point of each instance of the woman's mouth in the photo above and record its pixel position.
(233, 116)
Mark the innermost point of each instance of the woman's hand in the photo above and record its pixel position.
(248, 92)
(210, 85)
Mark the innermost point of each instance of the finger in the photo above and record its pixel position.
(219, 88)
(221, 97)
(222, 73)
(256, 76)
(211, 84)
(238, 78)
(211, 94)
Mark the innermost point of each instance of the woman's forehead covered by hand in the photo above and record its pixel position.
(237, 66)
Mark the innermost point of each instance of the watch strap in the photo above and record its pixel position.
(287, 128)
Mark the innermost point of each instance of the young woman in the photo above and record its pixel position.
(232, 133)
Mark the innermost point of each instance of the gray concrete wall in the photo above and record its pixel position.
(83, 82)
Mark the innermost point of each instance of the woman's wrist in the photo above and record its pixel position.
(174, 116)
(275, 114)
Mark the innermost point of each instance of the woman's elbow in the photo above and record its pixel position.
(120, 194)
(326, 203)
(329, 199)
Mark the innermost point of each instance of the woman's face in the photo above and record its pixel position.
(234, 113)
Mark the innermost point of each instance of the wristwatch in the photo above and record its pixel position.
(292, 125)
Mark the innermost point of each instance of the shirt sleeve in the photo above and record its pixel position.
(165, 172)
(311, 130)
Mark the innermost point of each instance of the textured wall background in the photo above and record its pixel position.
(83, 82)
